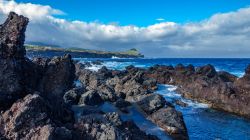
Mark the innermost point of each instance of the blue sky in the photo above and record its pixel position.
(191, 28)
(141, 12)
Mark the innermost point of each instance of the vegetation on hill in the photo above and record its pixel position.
(132, 52)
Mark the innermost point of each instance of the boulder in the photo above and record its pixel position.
(207, 70)
(104, 72)
(171, 121)
(107, 93)
(30, 118)
(122, 105)
(181, 103)
(58, 77)
(151, 103)
(72, 96)
(91, 98)
(109, 127)
(226, 77)
(24, 117)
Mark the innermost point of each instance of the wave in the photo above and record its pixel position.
(168, 91)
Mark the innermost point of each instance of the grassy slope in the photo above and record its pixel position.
(131, 52)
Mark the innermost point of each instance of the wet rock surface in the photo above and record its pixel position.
(132, 88)
(222, 90)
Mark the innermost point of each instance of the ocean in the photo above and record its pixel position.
(202, 122)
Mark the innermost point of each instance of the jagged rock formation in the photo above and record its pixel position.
(220, 89)
(13, 36)
(37, 98)
(29, 118)
(32, 95)
(130, 87)
(12, 61)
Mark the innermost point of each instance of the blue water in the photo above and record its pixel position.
(234, 66)
(202, 122)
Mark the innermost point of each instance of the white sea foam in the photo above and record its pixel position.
(238, 73)
(168, 91)
(172, 88)
(115, 57)
(195, 104)
(94, 67)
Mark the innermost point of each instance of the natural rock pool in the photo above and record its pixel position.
(205, 123)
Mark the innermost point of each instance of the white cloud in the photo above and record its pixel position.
(222, 35)
(32, 11)
(160, 19)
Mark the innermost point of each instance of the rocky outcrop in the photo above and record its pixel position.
(171, 121)
(91, 97)
(72, 96)
(12, 36)
(109, 127)
(220, 89)
(29, 118)
(36, 96)
(44, 81)
(58, 76)
(131, 88)
(12, 61)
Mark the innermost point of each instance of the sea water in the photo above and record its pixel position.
(202, 122)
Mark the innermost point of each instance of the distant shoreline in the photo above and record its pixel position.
(46, 51)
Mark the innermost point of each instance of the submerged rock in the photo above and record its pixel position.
(181, 103)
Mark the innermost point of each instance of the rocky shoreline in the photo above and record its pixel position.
(36, 96)
(39, 99)
(222, 90)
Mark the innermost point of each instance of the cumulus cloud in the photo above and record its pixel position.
(222, 35)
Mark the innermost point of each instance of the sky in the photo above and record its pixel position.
(157, 28)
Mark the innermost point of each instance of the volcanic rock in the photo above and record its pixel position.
(91, 97)
(12, 62)
(72, 96)
(12, 36)
(171, 121)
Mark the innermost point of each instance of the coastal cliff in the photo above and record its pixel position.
(47, 51)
